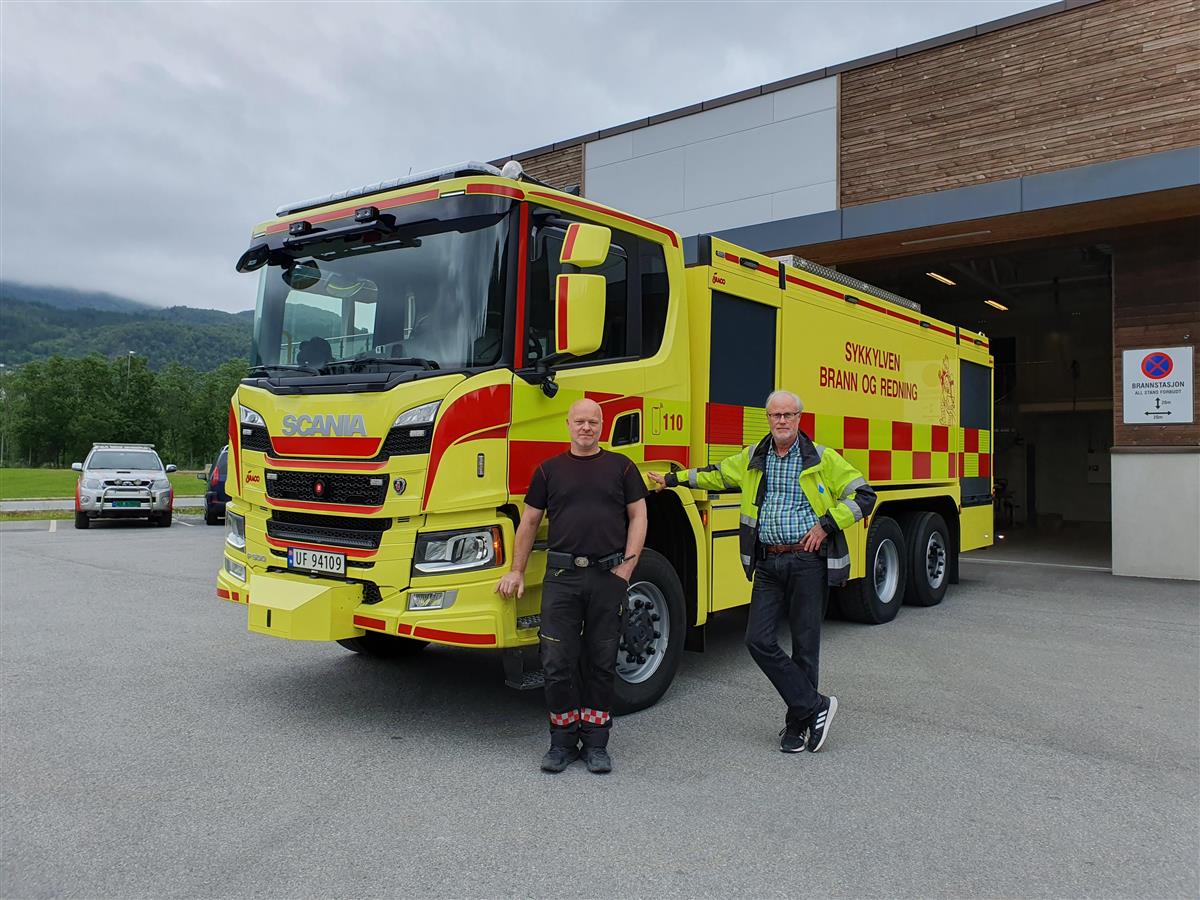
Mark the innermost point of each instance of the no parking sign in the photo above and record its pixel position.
(1158, 386)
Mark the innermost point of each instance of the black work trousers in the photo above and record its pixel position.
(582, 611)
(791, 585)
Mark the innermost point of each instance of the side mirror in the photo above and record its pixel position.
(201, 476)
(579, 314)
(172, 468)
(585, 245)
(78, 467)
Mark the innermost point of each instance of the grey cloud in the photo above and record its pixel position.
(141, 142)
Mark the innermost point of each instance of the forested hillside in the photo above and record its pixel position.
(32, 329)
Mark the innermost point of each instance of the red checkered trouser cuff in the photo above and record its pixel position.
(594, 716)
(570, 717)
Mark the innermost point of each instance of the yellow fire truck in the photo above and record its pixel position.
(417, 345)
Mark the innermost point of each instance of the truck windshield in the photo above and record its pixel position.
(124, 459)
(425, 293)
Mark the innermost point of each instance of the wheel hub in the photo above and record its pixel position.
(643, 630)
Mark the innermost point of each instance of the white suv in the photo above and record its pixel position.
(120, 481)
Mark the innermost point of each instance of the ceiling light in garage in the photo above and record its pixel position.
(942, 278)
(996, 304)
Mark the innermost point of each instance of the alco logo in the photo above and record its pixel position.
(339, 426)
(253, 478)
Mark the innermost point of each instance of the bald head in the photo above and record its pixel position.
(585, 421)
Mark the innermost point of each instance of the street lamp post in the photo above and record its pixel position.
(128, 363)
(3, 427)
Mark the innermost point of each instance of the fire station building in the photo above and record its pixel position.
(1036, 178)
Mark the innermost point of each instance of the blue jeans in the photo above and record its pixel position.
(791, 585)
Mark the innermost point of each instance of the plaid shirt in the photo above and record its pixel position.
(786, 515)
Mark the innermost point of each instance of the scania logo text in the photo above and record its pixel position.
(311, 426)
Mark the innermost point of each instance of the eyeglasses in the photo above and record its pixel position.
(781, 417)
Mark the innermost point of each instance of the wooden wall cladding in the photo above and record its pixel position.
(558, 168)
(1156, 303)
(1100, 82)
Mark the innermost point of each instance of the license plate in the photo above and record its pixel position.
(316, 561)
(125, 503)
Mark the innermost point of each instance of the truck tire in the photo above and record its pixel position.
(163, 520)
(876, 597)
(652, 631)
(383, 646)
(928, 542)
(82, 521)
(211, 517)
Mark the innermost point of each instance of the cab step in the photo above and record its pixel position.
(519, 673)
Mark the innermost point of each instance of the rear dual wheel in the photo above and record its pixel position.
(928, 543)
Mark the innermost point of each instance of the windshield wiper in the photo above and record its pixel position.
(268, 368)
(408, 362)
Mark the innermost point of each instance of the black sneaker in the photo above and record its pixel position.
(597, 759)
(558, 758)
(819, 730)
(793, 739)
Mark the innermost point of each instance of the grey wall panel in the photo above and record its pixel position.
(998, 198)
(648, 186)
(805, 99)
(703, 126)
(804, 201)
(772, 236)
(766, 160)
(721, 215)
(1119, 178)
(608, 150)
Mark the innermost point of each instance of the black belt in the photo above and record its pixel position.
(557, 560)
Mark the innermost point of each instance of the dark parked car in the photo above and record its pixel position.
(215, 497)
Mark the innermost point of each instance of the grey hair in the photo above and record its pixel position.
(789, 395)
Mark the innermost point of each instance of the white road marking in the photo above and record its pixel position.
(53, 525)
(188, 524)
(1028, 562)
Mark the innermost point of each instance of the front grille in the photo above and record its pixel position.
(126, 482)
(255, 437)
(335, 531)
(336, 487)
(407, 441)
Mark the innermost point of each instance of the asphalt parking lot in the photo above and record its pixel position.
(1035, 735)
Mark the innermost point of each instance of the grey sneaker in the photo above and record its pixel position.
(819, 730)
(558, 758)
(597, 759)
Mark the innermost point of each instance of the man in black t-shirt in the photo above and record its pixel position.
(597, 505)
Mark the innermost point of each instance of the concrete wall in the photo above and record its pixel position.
(1155, 514)
(769, 157)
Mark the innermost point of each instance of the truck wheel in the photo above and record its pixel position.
(211, 517)
(82, 521)
(383, 645)
(928, 542)
(164, 520)
(652, 631)
(876, 597)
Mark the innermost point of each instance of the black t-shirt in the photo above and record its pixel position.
(586, 498)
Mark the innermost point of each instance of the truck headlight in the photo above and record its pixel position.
(236, 569)
(459, 551)
(250, 417)
(235, 530)
(161, 484)
(92, 484)
(418, 415)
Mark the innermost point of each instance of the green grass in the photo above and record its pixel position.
(45, 515)
(24, 484)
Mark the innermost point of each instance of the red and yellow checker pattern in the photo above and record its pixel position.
(883, 450)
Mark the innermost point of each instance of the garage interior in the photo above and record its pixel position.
(1047, 307)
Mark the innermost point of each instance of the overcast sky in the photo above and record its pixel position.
(139, 143)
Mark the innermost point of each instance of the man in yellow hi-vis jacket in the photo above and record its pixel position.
(797, 499)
